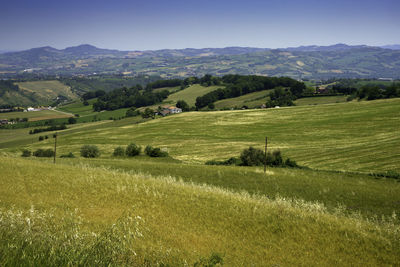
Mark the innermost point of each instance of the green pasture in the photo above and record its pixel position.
(351, 191)
(170, 89)
(252, 100)
(190, 94)
(47, 89)
(352, 136)
(78, 108)
(80, 215)
(34, 115)
(320, 100)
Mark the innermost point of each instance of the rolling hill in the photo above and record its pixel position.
(316, 62)
(177, 211)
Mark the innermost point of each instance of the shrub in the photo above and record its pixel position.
(119, 152)
(274, 158)
(26, 153)
(71, 120)
(291, 163)
(148, 150)
(90, 151)
(183, 105)
(155, 152)
(252, 157)
(69, 155)
(132, 112)
(132, 150)
(46, 153)
(230, 161)
(41, 138)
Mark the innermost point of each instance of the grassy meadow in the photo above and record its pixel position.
(35, 115)
(320, 100)
(47, 90)
(190, 94)
(352, 136)
(62, 215)
(252, 100)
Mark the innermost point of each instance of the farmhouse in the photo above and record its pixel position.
(165, 110)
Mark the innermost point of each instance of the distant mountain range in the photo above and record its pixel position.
(313, 62)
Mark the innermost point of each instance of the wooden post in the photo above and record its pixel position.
(265, 154)
(55, 147)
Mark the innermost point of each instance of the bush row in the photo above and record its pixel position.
(256, 157)
(135, 150)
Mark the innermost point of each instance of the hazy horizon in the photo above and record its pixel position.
(153, 25)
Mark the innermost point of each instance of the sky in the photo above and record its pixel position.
(175, 24)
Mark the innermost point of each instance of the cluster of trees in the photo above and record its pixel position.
(48, 129)
(133, 150)
(7, 86)
(38, 153)
(206, 80)
(126, 98)
(237, 85)
(280, 97)
(93, 94)
(164, 83)
(90, 151)
(256, 157)
(155, 152)
(371, 92)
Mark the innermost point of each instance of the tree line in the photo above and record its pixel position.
(125, 98)
(237, 85)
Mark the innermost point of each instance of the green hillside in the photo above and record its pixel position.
(190, 94)
(35, 115)
(252, 100)
(62, 215)
(47, 91)
(320, 100)
(352, 136)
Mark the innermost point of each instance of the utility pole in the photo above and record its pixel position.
(55, 147)
(265, 155)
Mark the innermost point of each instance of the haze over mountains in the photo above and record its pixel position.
(316, 62)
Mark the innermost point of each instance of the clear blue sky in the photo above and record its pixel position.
(158, 24)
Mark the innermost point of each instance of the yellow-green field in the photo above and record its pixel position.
(252, 100)
(80, 215)
(35, 115)
(351, 136)
(190, 94)
(320, 100)
(47, 91)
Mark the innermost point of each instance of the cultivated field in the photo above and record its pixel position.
(190, 94)
(252, 100)
(47, 91)
(352, 136)
(320, 100)
(35, 115)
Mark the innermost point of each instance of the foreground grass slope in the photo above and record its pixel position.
(354, 136)
(351, 192)
(64, 215)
